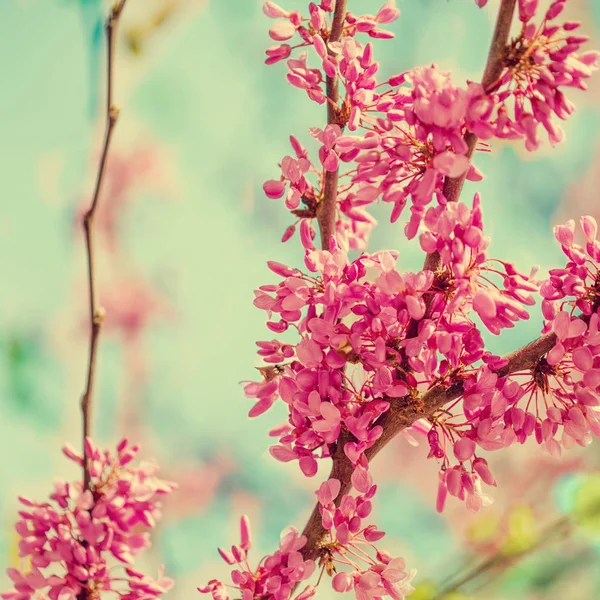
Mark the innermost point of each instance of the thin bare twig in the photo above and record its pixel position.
(96, 311)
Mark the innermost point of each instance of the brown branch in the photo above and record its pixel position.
(400, 414)
(559, 530)
(493, 70)
(453, 186)
(403, 414)
(327, 206)
(342, 467)
(96, 311)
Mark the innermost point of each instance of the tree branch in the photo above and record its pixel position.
(342, 467)
(493, 69)
(402, 415)
(500, 562)
(327, 206)
(96, 311)
(453, 186)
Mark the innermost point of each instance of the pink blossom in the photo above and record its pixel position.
(69, 540)
(276, 575)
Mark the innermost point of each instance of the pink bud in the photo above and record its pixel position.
(274, 11)
(343, 582)
(307, 234)
(387, 13)
(331, 161)
(361, 480)
(282, 270)
(281, 453)
(560, 326)
(328, 491)
(246, 541)
(288, 233)
(583, 358)
(274, 188)
(282, 31)
(372, 534)
(277, 53)
(308, 466)
(480, 466)
(556, 354)
(442, 494)
(464, 449)
(448, 163)
(565, 234)
(227, 556)
(71, 454)
(555, 9)
(320, 47)
(591, 379)
(484, 305)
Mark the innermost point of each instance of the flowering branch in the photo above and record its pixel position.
(402, 415)
(327, 207)
(399, 417)
(81, 543)
(96, 311)
(380, 351)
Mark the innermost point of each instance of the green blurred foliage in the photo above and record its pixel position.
(25, 366)
(586, 509)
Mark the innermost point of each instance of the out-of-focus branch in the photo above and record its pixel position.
(501, 562)
(96, 311)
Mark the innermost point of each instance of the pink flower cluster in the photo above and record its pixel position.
(540, 61)
(577, 284)
(415, 138)
(415, 123)
(455, 233)
(556, 402)
(350, 62)
(345, 375)
(351, 544)
(371, 339)
(74, 542)
(276, 576)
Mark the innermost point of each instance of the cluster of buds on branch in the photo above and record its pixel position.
(380, 350)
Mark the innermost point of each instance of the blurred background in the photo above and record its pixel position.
(184, 235)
